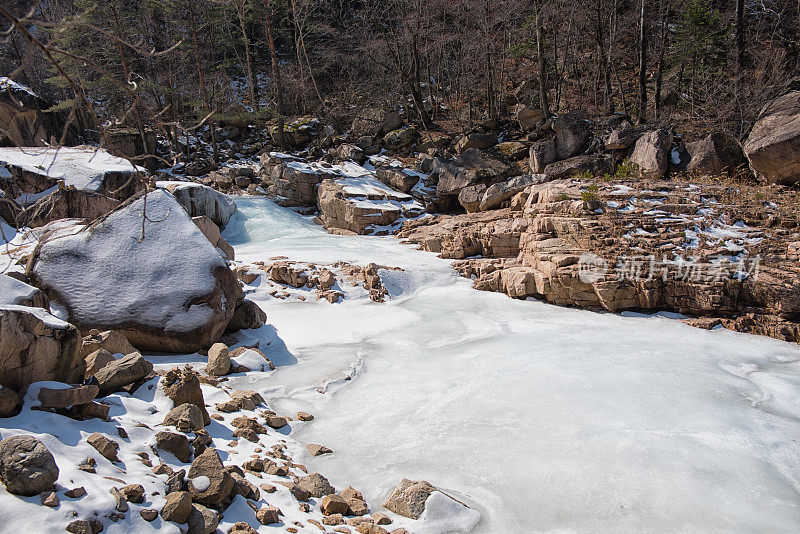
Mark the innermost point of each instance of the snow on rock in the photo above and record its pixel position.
(15, 292)
(36, 170)
(200, 200)
(35, 346)
(165, 289)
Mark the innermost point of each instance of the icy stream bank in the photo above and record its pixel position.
(542, 418)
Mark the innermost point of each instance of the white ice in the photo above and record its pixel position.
(541, 418)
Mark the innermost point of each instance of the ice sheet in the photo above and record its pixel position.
(541, 418)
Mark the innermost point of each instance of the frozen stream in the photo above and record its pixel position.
(542, 418)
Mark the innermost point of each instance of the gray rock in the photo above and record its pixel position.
(408, 498)
(651, 153)
(26, 466)
(316, 484)
(773, 146)
(470, 197)
(596, 165)
(8, 401)
(500, 192)
(396, 178)
(715, 153)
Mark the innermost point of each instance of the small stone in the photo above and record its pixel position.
(317, 450)
(202, 520)
(300, 493)
(80, 526)
(370, 528)
(273, 421)
(75, 493)
(149, 514)
(162, 469)
(317, 485)
(246, 433)
(219, 360)
(241, 528)
(351, 493)
(268, 488)
(185, 418)
(268, 515)
(333, 504)
(121, 432)
(304, 416)
(333, 519)
(49, 498)
(106, 447)
(357, 507)
(381, 519)
(122, 503)
(178, 507)
(133, 493)
(304, 507)
(176, 444)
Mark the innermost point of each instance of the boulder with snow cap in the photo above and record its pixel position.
(36, 346)
(209, 482)
(409, 498)
(14, 292)
(145, 271)
(36, 170)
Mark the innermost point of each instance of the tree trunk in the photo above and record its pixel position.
(276, 73)
(740, 29)
(542, 67)
(642, 67)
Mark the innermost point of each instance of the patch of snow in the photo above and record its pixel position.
(8, 83)
(41, 314)
(201, 483)
(26, 199)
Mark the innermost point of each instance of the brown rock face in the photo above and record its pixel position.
(123, 372)
(178, 507)
(64, 398)
(334, 504)
(715, 153)
(773, 146)
(177, 444)
(66, 203)
(247, 315)
(8, 401)
(111, 341)
(35, 346)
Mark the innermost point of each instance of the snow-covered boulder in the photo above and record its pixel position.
(155, 279)
(14, 292)
(27, 173)
(201, 200)
(36, 346)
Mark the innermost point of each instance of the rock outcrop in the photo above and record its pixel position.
(66, 203)
(651, 153)
(123, 273)
(652, 245)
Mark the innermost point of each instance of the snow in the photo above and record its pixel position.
(8, 83)
(252, 360)
(201, 483)
(39, 313)
(12, 291)
(84, 168)
(26, 199)
(149, 283)
(538, 417)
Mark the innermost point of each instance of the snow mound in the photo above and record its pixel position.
(165, 289)
(200, 200)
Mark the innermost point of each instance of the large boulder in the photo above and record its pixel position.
(470, 197)
(397, 178)
(715, 153)
(35, 346)
(476, 140)
(773, 146)
(651, 153)
(248, 315)
(375, 122)
(595, 165)
(66, 203)
(408, 498)
(201, 200)
(156, 280)
(296, 132)
(32, 171)
(572, 138)
(26, 466)
(469, 168)
(500, 192)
